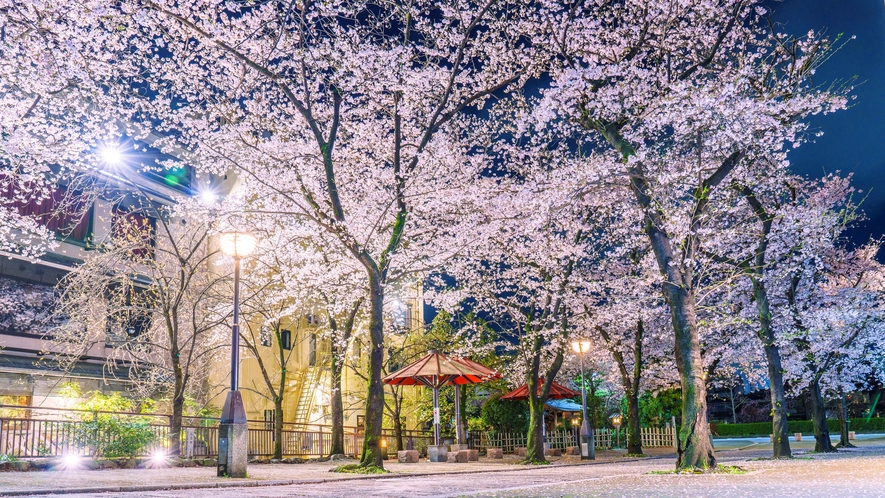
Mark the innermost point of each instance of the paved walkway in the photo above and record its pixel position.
(311, 472)
(851, 473)
(859, 472)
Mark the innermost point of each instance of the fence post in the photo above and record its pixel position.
(675, 437)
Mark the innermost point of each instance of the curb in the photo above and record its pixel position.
(287, 482)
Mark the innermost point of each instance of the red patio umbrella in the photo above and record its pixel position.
(436, 370)
(557, 391)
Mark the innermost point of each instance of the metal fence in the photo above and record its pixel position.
(48, 432)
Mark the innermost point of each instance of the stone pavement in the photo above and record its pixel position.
(73, 480)
(850, 473)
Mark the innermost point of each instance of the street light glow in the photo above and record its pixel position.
(207, 197)
(581, 346)
(238, 244)
(111, 154)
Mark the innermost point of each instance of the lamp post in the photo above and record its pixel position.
(233, 431)
(588, 445)
(616, 421)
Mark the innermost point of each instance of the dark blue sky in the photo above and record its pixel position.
(853, 139)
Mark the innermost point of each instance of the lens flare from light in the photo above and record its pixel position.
(71, 460)
(208, 198)
(111, 154)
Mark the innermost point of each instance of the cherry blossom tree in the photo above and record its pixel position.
(152, 293)
(684, 97)
(830, 303)
(525, 274)
(44, 81)
(794, 246)
(628, 322)
(349, 116)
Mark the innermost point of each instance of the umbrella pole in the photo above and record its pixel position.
(436, 415)
(458, 435)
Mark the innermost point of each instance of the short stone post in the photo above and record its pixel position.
(189, 442)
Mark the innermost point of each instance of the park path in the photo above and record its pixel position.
(852, 473)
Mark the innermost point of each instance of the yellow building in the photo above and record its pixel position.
(306, 351)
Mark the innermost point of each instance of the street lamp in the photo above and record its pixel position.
(588, 445)
(233, 431)
(616, 421)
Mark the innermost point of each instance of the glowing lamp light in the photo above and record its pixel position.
(111, 154)
(581, 346)
(207, 198)
(71, 460)
(158, 458)
(238, 244)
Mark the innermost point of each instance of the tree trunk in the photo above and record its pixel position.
(278, 427)
(535, 447)
(372, 455)
(781, 443)
(634, 437)
(819, 419)
(177, 409)
(843, 422)
(336, 404)
(781, 440)
(398, 428)
(695, 446)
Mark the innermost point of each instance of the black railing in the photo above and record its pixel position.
(31, 432)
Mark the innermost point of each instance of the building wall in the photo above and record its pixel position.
(314, 407)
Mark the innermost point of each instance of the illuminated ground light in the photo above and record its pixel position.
(158, 459)
(71, 461)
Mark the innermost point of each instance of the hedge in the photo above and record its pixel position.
(793, 426)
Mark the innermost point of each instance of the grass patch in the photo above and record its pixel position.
(729, 469)
(764, 459)
(635, 455)
(535, 462)
(355, 468)
(719, 469)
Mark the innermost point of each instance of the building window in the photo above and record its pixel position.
(408, 317)
(69, 215)
(286, 339)
(264, 335)
(312, 351)
(312, 319)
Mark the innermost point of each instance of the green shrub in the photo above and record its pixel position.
(804, 426)
(108, 434)
(113, 436)
(505, 415)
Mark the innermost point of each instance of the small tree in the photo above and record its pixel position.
(152, 293)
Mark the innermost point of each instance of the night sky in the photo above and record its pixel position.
(853, 139)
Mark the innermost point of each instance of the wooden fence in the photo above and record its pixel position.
(605, 439)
